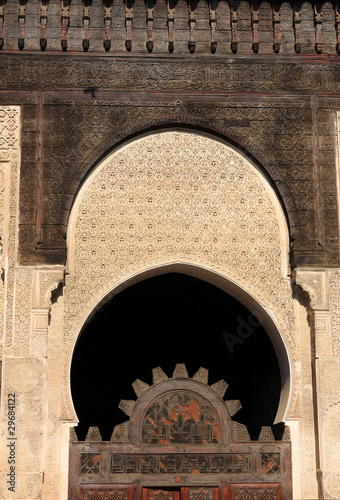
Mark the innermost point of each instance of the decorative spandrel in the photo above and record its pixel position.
(180, 417)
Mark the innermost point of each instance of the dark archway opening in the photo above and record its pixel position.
(164, 320)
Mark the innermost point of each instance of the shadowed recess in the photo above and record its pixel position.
(168, 319)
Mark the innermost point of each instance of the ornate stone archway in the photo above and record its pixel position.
(176, 197)
(181, 199)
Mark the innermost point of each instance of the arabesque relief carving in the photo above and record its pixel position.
(9, 177)
(175, 197)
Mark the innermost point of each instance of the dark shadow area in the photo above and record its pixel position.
(172, 318)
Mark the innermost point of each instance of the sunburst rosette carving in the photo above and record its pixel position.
(195, 416)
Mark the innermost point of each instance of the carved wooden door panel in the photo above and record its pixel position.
(184, 493)
(105, 492)
(199, 493)
(179, 433)
(255, 491)
(161, 494)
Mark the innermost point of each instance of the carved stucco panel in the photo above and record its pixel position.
(24, 378)
(331, 419)
(304, 410)
(315, 283)
(176, 197)
(55, 467)
(46, 280)
(29, 487)
(330, 392)
(9, 189)
(323, 288)
(22, 315)
(334, 307)
(2, 230)
(332, 485)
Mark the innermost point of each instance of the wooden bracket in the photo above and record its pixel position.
(43, 23)
(318, 27)
(22, 20)
(213, 23)
(2, 18)
(337, 25)
(255, 25)
(149, 23)
(297, 23)
(192, 25)
(86, 24)
(276, 25)
(107, 25)
(171, 22)
(233, 16)
(65, 21)
(128, 24)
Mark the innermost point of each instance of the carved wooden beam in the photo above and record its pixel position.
(276, 26)
(2, 18)
(128, 24)
(65, 21)
(107, 25)
(171, 22)
(297, 23)
(192, 25)
(22, 20)
(255, 25)
(318, 27)
(213, 23)
(233, 22)
(43, 24)
(86, 24)
(149, 24)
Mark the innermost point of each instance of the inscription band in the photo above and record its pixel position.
(230, 463)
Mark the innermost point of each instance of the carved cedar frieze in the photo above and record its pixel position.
(159, 73)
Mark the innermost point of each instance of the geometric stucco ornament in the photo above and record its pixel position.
(176, 198)
(332, 485)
